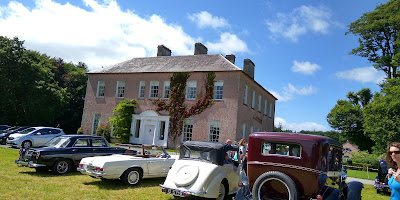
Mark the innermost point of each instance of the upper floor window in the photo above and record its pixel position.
(191, 90)
(166, 89)
(142, 89)
(270, 110)
(120, 89)
(243, 130)
(265, 106)
(101, 86)
(245, 95)
(253, 101)
(187, 131)
(218, 90)
(259, 103)
(214, 131)
(154, 89)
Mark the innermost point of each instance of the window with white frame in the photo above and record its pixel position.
(214, 131)
(120, 89)
(101, 86)
(187, 130)
(162, 130)
(218, 90)
(191, 90)
(154, 89)
(166, 89)
(243, 130)
(270, 110)
(142, 89)
(245, 95)
(253, 101)
(265, 106)
(96, 123)
(259, 103)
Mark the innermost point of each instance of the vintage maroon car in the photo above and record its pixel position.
(296, 166)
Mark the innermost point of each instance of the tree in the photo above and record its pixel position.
(347, 117)
(37, 90)
(177, 108)
(379, 37)
(122, 119)
(382, 116)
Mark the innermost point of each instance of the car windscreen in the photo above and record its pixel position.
(58, 142)
(26, 131)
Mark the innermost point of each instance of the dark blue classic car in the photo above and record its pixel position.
(63, 153)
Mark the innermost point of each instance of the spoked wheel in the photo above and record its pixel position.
(61, 166)
(26, 144)
(223, 191)
(132, 176)
(274, 185)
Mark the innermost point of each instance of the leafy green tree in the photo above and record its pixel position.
(382, 116)
(37, 90)
(332, 134)
(364, 158)
(104, 131)
(347, 117)
(379, 37)
(122, 119)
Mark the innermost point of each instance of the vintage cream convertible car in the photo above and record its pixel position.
(141, 161)
(201, 171)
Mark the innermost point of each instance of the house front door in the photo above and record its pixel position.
(149, 131)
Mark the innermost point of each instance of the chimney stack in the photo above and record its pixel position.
(199, 48)
(248, 67)
(163, 51)
(231, 58)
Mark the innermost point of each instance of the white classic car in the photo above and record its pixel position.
(202, 170)
(141, 161)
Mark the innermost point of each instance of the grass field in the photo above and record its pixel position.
(26, 183)
(362, 174)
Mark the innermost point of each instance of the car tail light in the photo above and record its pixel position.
(37, 155)
(80, 165)
(99, 169)
(319, 197)
(240, 184)
(184, 194)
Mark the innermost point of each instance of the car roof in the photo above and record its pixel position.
(294, 137)
(208, 146)
(81, 136)
(42, 127)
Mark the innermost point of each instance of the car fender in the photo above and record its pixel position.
(354, 190)
(213, 187)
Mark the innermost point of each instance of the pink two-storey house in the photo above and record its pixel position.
(241, 106)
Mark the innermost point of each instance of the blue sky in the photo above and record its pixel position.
(299, 47)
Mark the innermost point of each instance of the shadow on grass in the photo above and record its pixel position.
(113, 184)
(50, 173)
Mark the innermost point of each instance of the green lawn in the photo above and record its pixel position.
(26, 183)
(362, 174)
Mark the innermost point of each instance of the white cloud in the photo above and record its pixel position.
(228, 44)
(301, 21)
(101, 35)
(306, 68)
(362, 74)
(297, 127)
(290, 91)
(204, 19)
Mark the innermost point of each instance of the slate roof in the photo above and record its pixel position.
(191, 63)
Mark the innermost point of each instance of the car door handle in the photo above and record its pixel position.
(74, 150)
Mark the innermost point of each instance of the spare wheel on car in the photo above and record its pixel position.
(186, 175)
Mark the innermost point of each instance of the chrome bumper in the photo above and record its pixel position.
(28, 164)
(167, 190)
(95, 174)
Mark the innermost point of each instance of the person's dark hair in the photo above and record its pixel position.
(389, 159)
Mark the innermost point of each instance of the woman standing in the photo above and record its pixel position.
(393, 160)
(243, 154)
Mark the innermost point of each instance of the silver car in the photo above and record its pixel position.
(34, 137)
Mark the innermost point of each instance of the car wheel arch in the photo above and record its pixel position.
(132, 167)
(213, 185)
(27, 140)
(125, 177)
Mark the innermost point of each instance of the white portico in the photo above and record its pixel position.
(150, 128)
